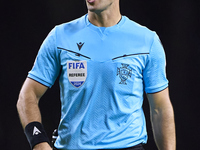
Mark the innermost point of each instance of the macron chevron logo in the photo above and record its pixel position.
(80, 45)
(36, 131)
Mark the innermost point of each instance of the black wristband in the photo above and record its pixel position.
(35, 134)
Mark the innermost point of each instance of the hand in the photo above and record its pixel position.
(42, 146)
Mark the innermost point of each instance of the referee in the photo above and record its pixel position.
(104, 62)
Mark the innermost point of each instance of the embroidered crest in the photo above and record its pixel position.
(124, 72)
(77, 72)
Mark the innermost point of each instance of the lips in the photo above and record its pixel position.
(90, 1)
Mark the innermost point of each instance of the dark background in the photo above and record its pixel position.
(25, 24)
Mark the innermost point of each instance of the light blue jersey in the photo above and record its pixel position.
(103, 73)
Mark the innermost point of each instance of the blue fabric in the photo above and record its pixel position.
(104, 72)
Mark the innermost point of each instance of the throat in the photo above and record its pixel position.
(104, 21)
(106, 18)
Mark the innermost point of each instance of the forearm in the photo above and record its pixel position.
(27, 104)
(29, 113)
(164, 128)
(28, 110)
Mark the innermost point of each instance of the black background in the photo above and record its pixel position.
(25, 24)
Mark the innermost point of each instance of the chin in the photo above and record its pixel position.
(94, 9)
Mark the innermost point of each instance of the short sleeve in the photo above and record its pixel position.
(47, 64)
(155, 70)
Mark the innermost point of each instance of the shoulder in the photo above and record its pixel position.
(136, 27)
(138, 30)
(138, 34)
(72, 26)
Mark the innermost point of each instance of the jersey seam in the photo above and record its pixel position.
(150, 49)
(152, 43)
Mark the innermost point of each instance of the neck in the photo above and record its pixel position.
(105, 18)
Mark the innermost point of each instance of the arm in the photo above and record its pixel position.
(27, 106)
(162, 119)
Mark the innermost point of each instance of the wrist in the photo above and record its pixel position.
(36, 134)
(42, 146)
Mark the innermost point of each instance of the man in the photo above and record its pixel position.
(104, 62)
